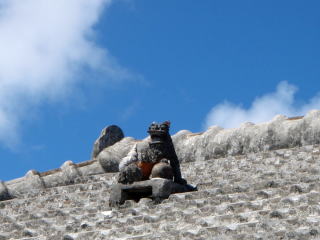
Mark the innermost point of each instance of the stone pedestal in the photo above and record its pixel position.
(157, 189)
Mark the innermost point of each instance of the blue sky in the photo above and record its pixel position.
(70, 68)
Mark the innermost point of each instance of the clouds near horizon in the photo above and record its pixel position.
(44, 46)
(262, 109)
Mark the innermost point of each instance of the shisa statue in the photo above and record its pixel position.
(152, 159)
(150, 170)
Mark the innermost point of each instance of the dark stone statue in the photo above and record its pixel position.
(156, 158)
(151, 169)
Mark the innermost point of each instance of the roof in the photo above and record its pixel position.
(255, 193)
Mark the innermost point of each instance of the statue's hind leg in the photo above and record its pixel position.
(130, 174)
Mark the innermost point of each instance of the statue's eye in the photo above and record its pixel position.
(163, 127)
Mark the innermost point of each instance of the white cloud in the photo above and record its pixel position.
(44, 47)
(262, 109)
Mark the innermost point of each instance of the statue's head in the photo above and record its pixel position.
(158, 132)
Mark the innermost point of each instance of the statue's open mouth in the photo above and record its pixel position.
(158, 132)
(157, 139)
